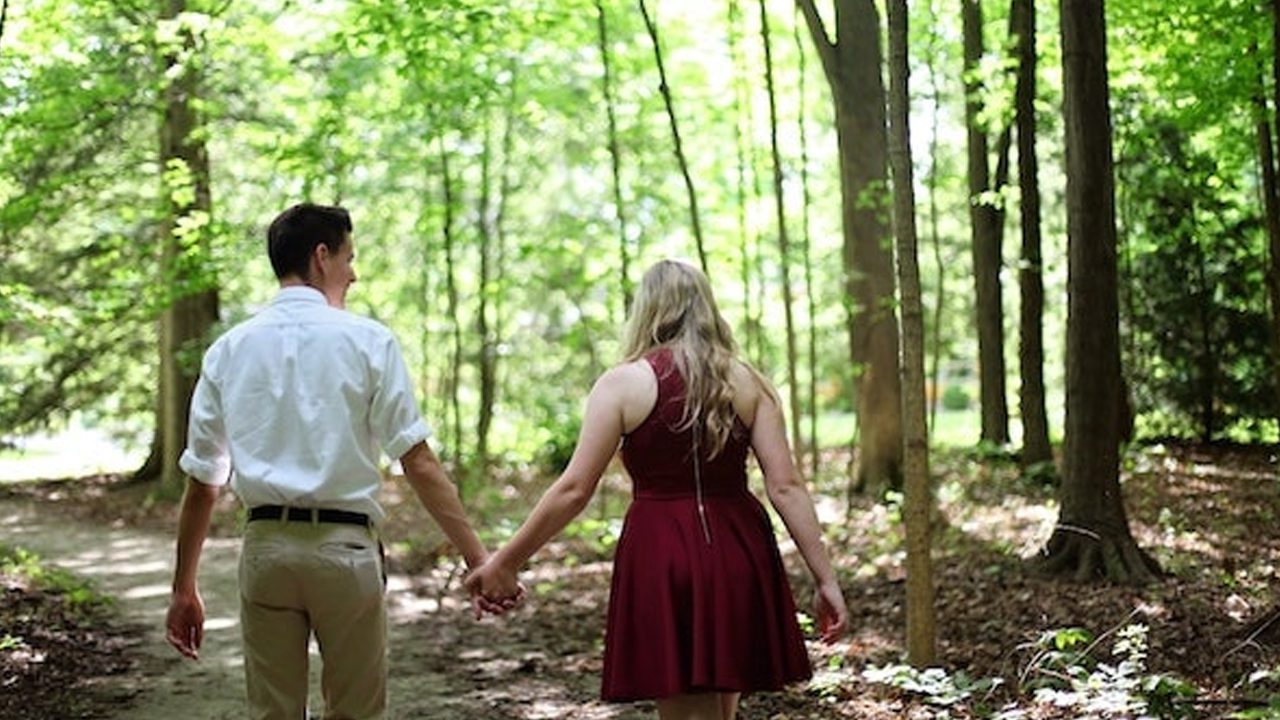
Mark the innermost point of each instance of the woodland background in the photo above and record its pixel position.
(1072, 259)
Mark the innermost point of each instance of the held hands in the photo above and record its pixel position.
(184, 626)
(494, 588)
(829, 608)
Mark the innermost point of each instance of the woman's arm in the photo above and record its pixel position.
(602, 427)
(790, 497)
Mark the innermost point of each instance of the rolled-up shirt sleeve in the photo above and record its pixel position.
(394, 417)
(206, 457)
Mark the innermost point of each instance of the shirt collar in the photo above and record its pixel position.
(300, 294)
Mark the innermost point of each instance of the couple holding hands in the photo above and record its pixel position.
(294, 406)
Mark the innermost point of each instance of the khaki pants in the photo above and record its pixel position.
(299, 578)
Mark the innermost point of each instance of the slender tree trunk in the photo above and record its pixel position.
(935, 238)
(488, 347)
(192, 306)
(784, 241)
(1092, 537)
(741, 101)
(498, 281)
(853, 69)
(451, 296)
(675, 134)
(807, 250)
(985, 222)
(4, 14)
(918, 501)
(1035, 422)
(615, 158)
(1208, 380)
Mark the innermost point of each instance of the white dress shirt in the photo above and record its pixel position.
(293, 405)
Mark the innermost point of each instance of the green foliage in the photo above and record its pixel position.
(1064, 673)
(935, 685)
(1196, 324)
(956, 397)
(80, 594)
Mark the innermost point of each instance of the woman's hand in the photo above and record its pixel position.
(494, 588)
(829, 608)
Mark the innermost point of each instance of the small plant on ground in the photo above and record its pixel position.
(1064, 673)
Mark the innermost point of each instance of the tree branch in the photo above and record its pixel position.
(826, 49)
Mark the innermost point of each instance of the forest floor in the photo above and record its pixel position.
(1008, 642)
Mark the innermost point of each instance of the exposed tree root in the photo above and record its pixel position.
(1084, 556)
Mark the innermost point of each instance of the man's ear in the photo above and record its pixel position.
(318, 257)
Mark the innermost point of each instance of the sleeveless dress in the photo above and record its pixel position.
(695, 607)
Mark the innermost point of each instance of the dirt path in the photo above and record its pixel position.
(444, 665)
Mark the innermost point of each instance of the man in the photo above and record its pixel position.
(292, 407)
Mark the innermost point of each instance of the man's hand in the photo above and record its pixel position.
(494, 588)
(184, 626)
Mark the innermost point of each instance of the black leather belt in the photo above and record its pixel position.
(299, 514)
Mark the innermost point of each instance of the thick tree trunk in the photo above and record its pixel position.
(853, 68)
(1272, 202)
(1035, 422)
(986, 227)
(1092, 538)
(192, 305)
(918, 502)
(784, 240)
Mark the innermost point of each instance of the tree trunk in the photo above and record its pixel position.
(807, 251)
(986, 227)
(1272, 202)
(191, 308)
(1092, 538)
(615, 159)
(488, 347)
(784, 241)
(741, 103)
(665, 89)
(451, 299)
(853, 69)
(935, 238)
(918, 501)
(1035, 423)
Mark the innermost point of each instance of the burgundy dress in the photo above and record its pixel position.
(688, 615)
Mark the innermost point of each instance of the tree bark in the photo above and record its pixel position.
(1035, 423)
(1272, 201)
(853, 68)
(488, 347)
(665, 89)
(191, 308)
(1092, 538)
(451, 299)
(742, 102)
(615, 158)
(918, 501)
(986, 227)
(784, 241)
(807, 251)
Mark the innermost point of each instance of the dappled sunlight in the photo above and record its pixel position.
(146, 591)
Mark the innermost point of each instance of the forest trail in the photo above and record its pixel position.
(444, 665)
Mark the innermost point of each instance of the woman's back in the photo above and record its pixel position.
(659, 453)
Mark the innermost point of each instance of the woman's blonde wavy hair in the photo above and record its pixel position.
(675, 308)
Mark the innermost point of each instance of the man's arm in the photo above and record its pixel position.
(184, 626)
(440, 497)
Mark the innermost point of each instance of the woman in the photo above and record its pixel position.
(700, 609)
